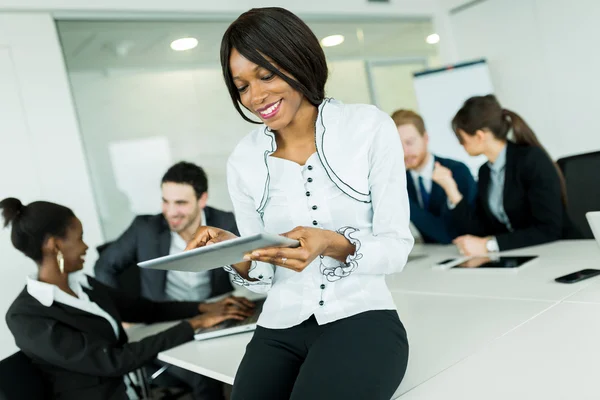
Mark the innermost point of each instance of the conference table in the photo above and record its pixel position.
(476, 333)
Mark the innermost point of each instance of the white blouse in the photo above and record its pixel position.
(354, 184)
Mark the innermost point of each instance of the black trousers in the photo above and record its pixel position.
(362, 357)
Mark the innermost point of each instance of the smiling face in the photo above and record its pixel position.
(264, 93)
(180, 206)
(73, 247)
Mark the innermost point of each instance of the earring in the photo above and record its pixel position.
(61, 261)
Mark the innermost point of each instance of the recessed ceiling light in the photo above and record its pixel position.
(332, 40)
(433, 38)
(183, 44)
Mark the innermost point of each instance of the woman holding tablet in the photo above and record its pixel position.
(332, 177)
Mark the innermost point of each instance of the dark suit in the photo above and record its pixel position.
(78, 353)
(149, 237)
(532, 202)
(435, 223)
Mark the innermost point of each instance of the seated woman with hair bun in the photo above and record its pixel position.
(70, 324)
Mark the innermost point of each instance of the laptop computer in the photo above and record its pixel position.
(231, 326)
(593, 218)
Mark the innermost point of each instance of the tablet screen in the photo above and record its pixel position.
(495, 262)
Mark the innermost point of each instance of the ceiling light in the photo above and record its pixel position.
(183, 44)
(332, 40)
(433, 38)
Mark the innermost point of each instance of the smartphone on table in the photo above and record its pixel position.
(578, 276)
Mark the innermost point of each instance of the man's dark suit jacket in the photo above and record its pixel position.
(78, 353)
(435, 223)
(149, 237)
(532, 202)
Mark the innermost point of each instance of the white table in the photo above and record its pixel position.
(534, 281)
(455, 316)
(555, 356)
(137, 332)
(589, 293)
(438, 335)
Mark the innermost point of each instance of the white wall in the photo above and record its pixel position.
(543, 64)
(394, 86)
(41, 155)
(395, 7)
(192, 111)
(450, 4)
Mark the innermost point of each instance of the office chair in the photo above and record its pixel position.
(20, 379)
(142, 380)
(129, 279)
(583, 191)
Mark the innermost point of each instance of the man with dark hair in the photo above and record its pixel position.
(184, 195)
(429, 208)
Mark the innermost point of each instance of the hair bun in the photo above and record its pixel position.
(11, 209)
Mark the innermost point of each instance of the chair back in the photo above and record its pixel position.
(583, 191)
(21, 379)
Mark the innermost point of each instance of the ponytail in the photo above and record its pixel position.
(523, 135)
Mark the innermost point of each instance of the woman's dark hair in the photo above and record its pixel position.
(287, 41)
(486, 113)
(33, 224)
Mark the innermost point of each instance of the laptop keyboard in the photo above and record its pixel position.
(233, 323)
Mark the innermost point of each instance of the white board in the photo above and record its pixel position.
(440, 94)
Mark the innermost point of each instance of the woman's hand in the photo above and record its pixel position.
(207, 235)
(240, 303)
(443, 177)
(213, 318)
(313, 243)
(469, 245)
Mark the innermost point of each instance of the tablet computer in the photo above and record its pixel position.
(495, 262)
(219, 254)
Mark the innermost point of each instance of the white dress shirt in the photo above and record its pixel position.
(182, 285)
(496, 189)
(354, 184)
(47, 294)
(426, 173)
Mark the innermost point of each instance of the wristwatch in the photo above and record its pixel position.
(492, 245)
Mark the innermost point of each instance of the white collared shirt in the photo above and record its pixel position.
(427, 174)
(496, 189)
(47, 294)
(328, 192)
(182, 285)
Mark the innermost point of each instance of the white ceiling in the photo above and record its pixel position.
(101, 45)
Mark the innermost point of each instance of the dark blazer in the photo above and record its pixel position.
(532, 202)
(149, 237)
(78, 353)
(435, 223)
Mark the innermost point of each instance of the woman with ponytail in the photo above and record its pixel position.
(521, 199)
(69, 324)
